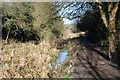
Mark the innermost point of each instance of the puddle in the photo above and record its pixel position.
(61, 58)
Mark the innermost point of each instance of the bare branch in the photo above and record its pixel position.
(114, 11)
(103, 16)
(110, 6)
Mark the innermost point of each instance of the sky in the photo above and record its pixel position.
(67, 21)
(73, 10)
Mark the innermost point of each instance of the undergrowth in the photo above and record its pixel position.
(26, 60)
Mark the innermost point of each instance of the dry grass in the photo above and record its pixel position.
(26, 60)
(23, 60)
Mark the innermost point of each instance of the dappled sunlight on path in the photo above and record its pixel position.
(89, 64)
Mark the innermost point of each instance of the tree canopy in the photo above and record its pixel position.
(30, 21)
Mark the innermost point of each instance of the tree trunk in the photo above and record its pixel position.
(112, 29)
(110, 24)
(112, 38)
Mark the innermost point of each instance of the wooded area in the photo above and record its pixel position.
(34, 33)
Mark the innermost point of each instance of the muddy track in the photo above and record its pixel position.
(90, 61)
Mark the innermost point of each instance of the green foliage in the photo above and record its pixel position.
(66, 76)
(46, 22)
(30, 21)
(17, 21)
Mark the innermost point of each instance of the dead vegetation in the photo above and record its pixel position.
(25, 60)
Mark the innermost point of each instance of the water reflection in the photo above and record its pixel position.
(61, 58)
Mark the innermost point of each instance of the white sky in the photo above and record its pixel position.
(67, 21)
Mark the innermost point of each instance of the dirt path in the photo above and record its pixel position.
(89, 64)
